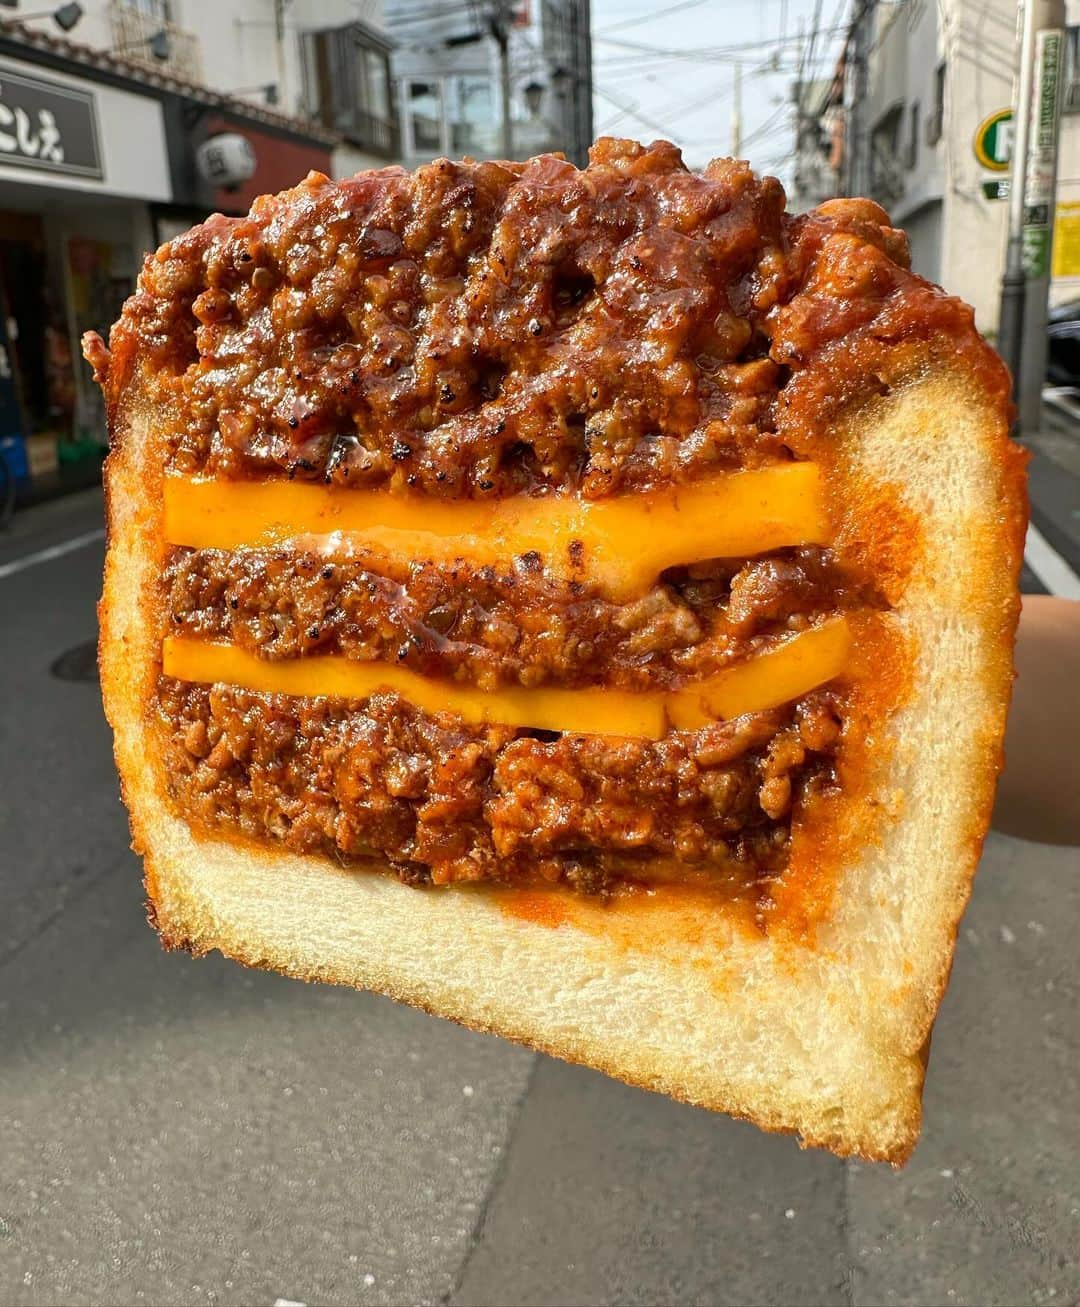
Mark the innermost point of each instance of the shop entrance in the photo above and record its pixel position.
(37, 392)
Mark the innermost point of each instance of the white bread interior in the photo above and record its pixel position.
(825, 1038)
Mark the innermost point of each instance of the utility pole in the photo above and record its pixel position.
(579, 76)
(279, 53)
(499, 27)
(857, 147)
(736, 112)
(1025, 283)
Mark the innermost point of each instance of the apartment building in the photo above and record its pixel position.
(924, 81)
(448, 62)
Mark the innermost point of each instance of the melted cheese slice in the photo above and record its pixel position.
(620, 544)
(792, 668)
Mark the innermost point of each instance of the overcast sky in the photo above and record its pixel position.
(680, 84)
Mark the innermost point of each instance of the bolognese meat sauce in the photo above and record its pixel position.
(493, 332)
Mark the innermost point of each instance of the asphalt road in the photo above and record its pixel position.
(174, 1131)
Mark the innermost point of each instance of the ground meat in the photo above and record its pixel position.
(474, 328)
(447, 802)
(486, 628)
(480, 329)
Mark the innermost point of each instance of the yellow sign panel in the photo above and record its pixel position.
(1067, 240)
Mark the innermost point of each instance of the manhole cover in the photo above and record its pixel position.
(78, 664)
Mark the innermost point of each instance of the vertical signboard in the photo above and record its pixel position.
(1041, 162)
(1066, 261)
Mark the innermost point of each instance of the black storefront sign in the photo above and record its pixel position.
(46, 125)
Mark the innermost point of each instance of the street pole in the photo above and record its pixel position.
(581, 82)
(736, 112)
(1025, 282)
(279, 54)
(498, 25)
(1040, 199)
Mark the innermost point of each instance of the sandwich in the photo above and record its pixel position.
(576, 602)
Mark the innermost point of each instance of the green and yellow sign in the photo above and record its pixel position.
(994, 141)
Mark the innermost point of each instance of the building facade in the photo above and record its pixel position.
(448, 64)
(121, 132)
(819, 113)
(923, 82)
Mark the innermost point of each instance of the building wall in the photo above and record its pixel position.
(231, 46)
(941, 197)
(924, 229)
(924, 171)
(237, 47)
(980, 46)
(982, 55)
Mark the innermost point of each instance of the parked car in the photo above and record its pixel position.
(1063, 330)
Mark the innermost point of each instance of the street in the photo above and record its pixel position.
(179, 1131)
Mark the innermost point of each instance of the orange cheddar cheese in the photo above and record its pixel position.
(777, 676)
(621, 544)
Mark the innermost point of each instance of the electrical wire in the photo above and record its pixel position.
(643, 62)
(706, 55)
(769, 127)
(648, 18)
(712, 96)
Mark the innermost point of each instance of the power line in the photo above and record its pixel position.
(632, 111)
(628, 61)
(707, 55)
(815, 27)
(648, 18)
(770, 125)
(712, 96)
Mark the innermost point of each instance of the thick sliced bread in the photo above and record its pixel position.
(821, 1031)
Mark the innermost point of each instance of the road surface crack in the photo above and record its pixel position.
(477, 1233)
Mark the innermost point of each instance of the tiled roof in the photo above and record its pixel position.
(159, 78)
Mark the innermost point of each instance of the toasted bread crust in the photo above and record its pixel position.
(819, 1030)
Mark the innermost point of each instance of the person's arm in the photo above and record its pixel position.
(1039, 792)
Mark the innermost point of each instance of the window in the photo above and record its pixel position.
(1070, 102)
(347, 85)
(911, 149)
(455, 115)
(471, 107)
(423, 106)
(886, 178)
(935, 123)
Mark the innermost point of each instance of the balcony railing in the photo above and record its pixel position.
(132, 34)
(370, 132)
(886, 176)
